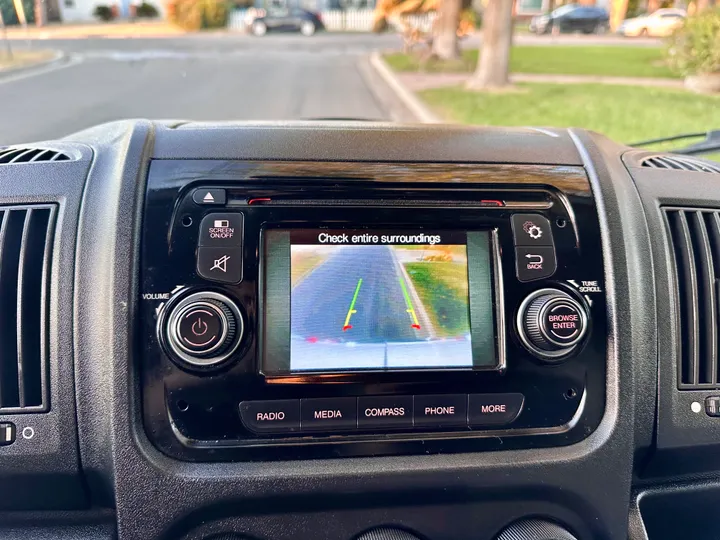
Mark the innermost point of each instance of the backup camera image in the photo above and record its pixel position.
(379, 301)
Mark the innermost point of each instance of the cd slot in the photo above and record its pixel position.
(538, 204)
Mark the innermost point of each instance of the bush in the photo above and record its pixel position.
(694, 48)
(146, 10)
(104, 13)
(197, 14)
(215, 14)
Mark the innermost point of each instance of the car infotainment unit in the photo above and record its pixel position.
(345, 300)
(329, 316)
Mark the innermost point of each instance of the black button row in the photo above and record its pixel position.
(381, 412)
(534, 248)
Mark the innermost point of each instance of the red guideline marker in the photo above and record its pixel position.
(347, 327)
(312, 339)
(415, 326)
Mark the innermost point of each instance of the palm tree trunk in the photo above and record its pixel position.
(445, 41)
(493, 69)
(618, 11)
(40, 14)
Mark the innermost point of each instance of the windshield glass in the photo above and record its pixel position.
(66, 65)
(559, 12)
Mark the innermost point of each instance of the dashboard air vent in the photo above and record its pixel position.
(26, 234)
(680, 163)
(30, 155)
(695, 243)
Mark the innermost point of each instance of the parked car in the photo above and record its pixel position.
(285, 20)
(572, 18)
(658, 24)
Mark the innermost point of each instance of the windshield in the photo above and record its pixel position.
(66, 65)
(559, 12)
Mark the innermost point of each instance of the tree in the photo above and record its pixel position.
(445, 41)
(653, 6)
(618, 11)
(493, 69)
(40, 13)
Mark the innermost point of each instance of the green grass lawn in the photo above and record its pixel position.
(440, 286)
(623, 113)
(609, 61)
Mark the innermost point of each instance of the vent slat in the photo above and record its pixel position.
(30, 155)
(691, 166)
(39, 155)
(706, 299)
(683, 163)
(6, 156)
(688, 276)
(30, 307)
(22, 266)
(25, 156)
(3, 236)
(25, 252)
(10, 253)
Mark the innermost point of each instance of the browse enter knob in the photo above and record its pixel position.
(551, 323)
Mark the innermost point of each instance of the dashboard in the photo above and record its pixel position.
(353, 330)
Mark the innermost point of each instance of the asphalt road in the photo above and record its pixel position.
(208, 77)
(321, 302)
(189, 78)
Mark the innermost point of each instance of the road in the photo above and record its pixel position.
(206, 77)
(194, 78)
(321, 302)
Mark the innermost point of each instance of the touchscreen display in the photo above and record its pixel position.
(385, 300)
(376, 300)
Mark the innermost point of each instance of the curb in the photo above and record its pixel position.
(58, 58)
(408, 98)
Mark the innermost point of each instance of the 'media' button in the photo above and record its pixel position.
(385, 412)
(282, 415)
(328, 414)
(494, 409)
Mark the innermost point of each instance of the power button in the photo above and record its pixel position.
(200, 328)
(203, 329)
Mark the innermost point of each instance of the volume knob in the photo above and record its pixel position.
(203, 329)
(551, 324)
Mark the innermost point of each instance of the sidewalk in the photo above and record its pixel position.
(124, 29)
(422, 81)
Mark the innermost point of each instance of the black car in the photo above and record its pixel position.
(286, 20)
(572, 18)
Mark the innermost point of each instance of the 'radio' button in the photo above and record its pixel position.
(278, 416)
(385, 412)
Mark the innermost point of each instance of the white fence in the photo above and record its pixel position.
(358, 20)
(236, 20)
